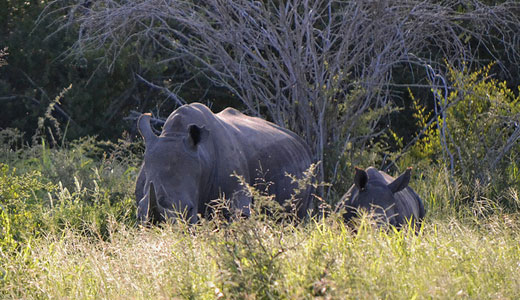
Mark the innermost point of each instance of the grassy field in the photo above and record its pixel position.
(68, 231)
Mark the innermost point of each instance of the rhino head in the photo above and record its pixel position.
(173, 174)
(377, 196)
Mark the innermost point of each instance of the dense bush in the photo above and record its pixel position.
(44, 190)
(474, 135)
(19, 197)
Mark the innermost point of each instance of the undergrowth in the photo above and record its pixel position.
(68, 230)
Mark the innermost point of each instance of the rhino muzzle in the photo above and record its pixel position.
(154, 209)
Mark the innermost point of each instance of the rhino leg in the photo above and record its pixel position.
(143, 210)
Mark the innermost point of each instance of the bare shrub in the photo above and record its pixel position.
(324, 69)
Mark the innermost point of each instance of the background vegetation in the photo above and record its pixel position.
(433, 85)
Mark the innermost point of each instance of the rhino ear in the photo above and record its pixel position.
(143, 124)
(400, 182)
(196, 135)
(360, 178)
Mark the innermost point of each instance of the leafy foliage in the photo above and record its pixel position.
(475, 134)
(483, 120)
(19, 195)
(44, 190)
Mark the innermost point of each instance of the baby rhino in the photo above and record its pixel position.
(389, 199)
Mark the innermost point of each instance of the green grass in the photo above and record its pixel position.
(448, 259)
(69, 232)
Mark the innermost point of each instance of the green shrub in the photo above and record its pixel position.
(476, 138)
(20, 205)
(77, 185)
(483, 121)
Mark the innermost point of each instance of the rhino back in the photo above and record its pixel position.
(269, 151)
(409, 204)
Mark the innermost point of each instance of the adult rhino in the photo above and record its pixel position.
(193, 161)
(390, 199)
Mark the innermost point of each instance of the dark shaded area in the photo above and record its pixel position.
(99, 102)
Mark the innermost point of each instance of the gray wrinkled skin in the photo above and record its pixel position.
(192, 161)
(389, 199)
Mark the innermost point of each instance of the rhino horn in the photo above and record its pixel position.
(145, 129)
(152, 202)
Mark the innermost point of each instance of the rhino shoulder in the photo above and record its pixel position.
(231, 111)
(194, 113)
(193, 110)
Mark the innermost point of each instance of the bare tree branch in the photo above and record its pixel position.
(314, 66)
